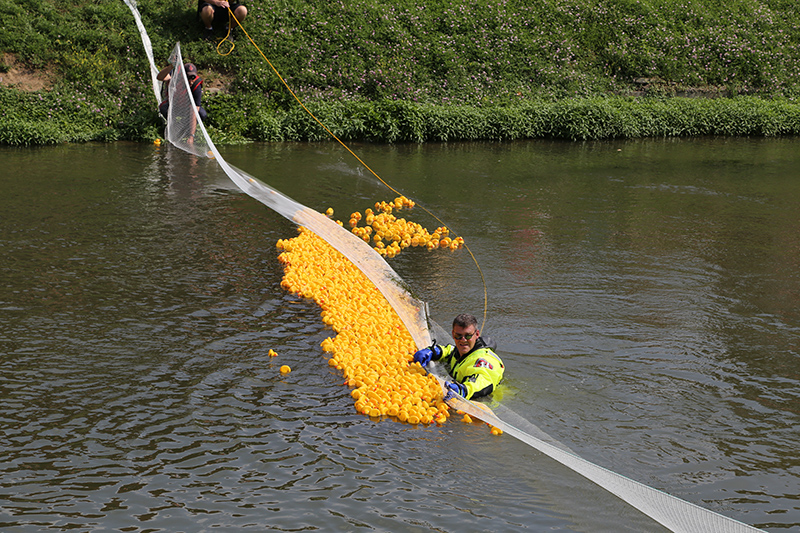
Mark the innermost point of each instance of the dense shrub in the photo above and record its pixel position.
(405, 71)
(574, 119)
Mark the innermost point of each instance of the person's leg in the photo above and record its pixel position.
(207, 15)
(240, 13)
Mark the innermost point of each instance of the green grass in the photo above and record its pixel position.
(406, 71)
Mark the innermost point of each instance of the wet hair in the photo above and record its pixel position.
(464, 321)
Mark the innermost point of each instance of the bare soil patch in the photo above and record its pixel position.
(15, 74)
(215, 82)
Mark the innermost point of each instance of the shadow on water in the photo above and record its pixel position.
(643, 294)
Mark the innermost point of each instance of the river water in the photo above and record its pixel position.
(644, 297)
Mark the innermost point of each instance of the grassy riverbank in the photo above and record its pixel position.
(408, 71)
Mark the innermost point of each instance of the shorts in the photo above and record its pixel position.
(221, 14)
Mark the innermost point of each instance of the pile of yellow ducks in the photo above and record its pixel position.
(391, 235)
(372, 347)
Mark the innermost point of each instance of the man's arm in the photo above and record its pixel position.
(478, 385)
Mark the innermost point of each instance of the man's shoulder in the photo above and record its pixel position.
(487, 342)
(487, 348)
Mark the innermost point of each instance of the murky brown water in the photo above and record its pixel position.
(644, 296)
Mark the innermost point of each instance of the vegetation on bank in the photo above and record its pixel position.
(412, 71)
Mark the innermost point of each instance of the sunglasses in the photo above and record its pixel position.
(459, 336)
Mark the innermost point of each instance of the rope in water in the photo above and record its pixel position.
(318, 121)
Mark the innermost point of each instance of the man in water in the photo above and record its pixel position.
(472, 363)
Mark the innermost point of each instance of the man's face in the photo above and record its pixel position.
(465, 338)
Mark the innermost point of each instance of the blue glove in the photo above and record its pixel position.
(457, 388)
(425, 355)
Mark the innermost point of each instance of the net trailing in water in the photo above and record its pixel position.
(186, 131)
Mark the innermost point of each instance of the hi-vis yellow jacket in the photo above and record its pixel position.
(480, 370)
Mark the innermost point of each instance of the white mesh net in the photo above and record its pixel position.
(148, 47)
(671, 512)
(186, 131)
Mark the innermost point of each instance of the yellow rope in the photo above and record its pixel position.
(233, 17)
